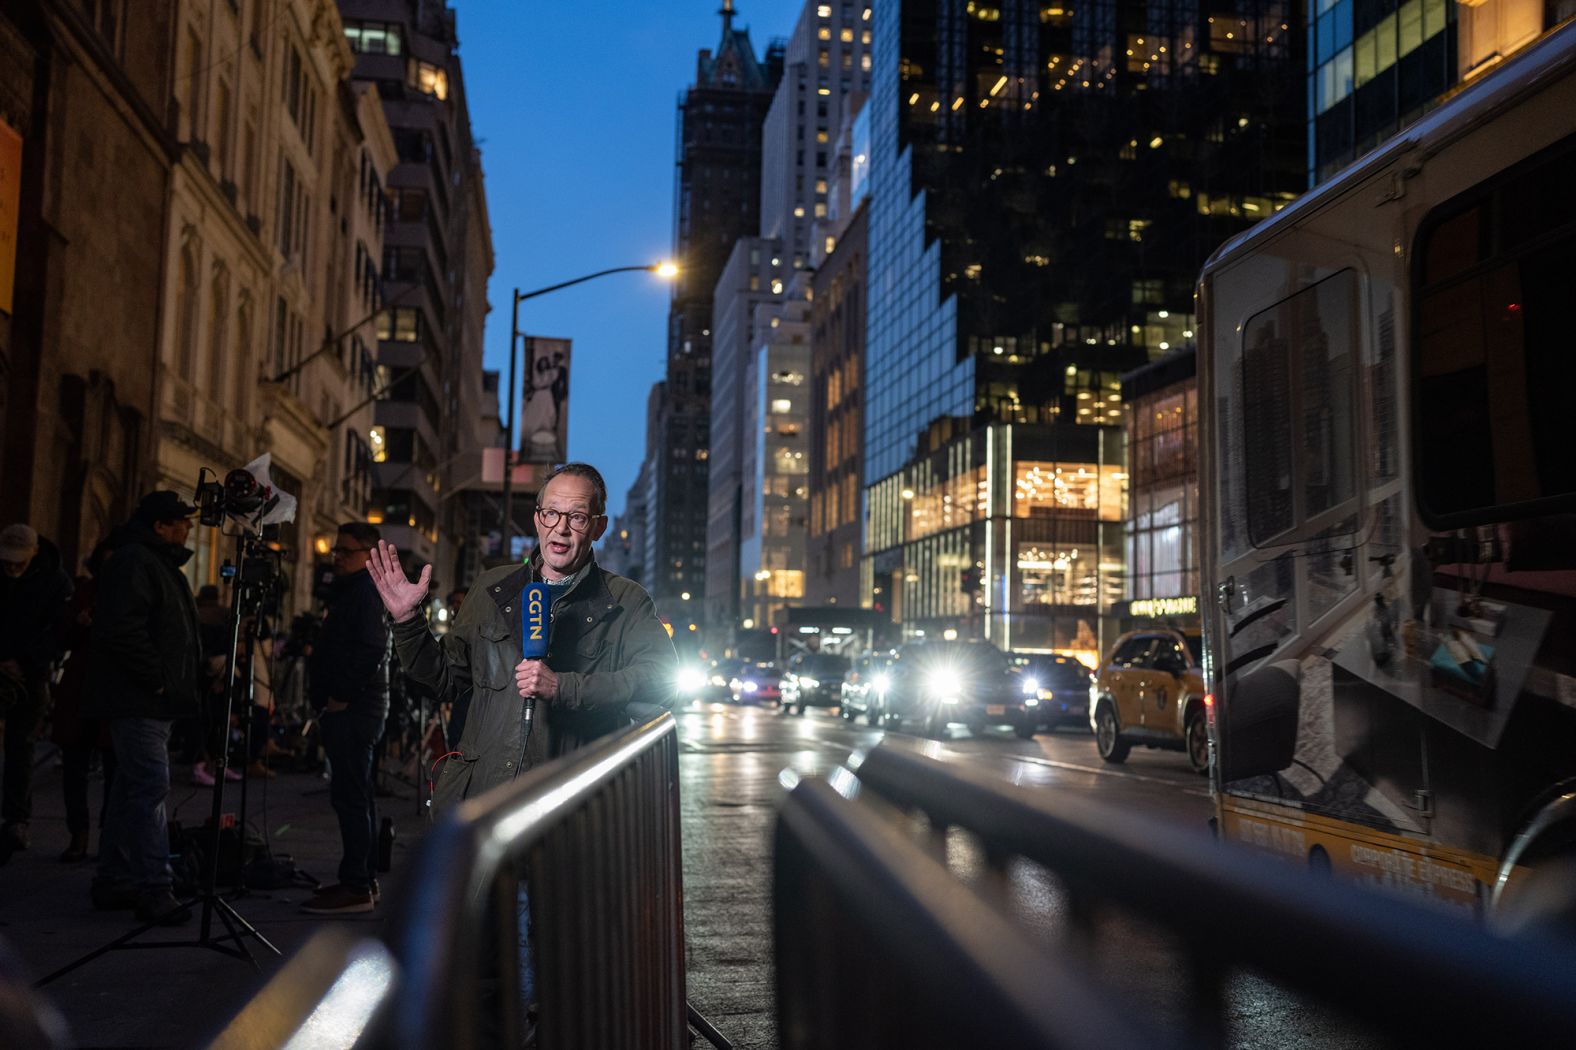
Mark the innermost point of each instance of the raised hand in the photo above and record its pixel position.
(400, 596)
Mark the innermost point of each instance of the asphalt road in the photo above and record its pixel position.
(735, 765)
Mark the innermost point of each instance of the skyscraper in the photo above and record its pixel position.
(754, 501)
(437, 256)
(716, 201)
(1046, 181)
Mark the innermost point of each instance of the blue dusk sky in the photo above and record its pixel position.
(574, 105)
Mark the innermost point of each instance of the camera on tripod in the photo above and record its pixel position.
(240, 495)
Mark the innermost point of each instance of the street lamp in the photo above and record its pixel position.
(666, 269)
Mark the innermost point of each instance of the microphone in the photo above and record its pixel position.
(535, 626)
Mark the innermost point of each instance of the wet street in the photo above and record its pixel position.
(733, 767)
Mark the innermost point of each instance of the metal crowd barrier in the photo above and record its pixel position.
(595, 835)
(879, 945)
(328, 997)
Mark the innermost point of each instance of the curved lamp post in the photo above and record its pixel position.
(667, 270)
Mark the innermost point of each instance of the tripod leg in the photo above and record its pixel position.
(229, 915)
(119, 942)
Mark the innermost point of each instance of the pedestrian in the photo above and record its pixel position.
(80, 738)
(146, 673)
(348, 679)
(34, 592)
(607, 652)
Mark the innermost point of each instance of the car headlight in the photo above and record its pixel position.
(945, 684)
(881, 683)
(1032, 702)
(1030, 687)
(691, 679)
(809, 683)
(1046, 694)
(749, 686)
(717, 679)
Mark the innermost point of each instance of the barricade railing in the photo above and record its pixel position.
(595, 837)
(329, 996)
(865, 913)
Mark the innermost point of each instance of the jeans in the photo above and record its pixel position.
(77, 760)
(350, 742)
(21, 722)
(135, 844)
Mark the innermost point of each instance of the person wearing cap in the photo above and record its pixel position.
(34, 592)
(146, 672)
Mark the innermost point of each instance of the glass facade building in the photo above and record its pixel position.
(1045, 182)
(1375, 66)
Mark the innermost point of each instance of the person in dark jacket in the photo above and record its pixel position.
(347, 675)
(146, 672)
(34, 592)
(608, 657)
(608, 650)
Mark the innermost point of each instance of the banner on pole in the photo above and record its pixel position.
(544, 416)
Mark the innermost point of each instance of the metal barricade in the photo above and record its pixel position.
(864, 915)
(594, 836)
(329, 996)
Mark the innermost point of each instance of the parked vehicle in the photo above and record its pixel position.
(1388, 551)
(863, 684)
(931, 685)
(1055, 691)
(757, 683)
(813, 680)
(1150, 691)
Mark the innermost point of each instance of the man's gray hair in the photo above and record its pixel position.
(589, 473)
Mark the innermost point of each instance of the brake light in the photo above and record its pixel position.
(1209, 699)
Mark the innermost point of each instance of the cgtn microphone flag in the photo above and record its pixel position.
(278, 506)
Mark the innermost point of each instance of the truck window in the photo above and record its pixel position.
(1493, 363)
(1299, 412)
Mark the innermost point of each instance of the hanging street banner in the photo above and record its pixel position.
(544, 416)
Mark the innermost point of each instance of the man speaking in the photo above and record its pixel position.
(604, 646)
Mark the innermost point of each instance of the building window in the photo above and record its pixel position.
(373, 38)
(401, 324)
(429, 79)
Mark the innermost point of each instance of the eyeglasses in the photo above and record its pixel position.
(579, 521)
(345, 552)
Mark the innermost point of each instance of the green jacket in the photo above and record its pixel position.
(606, 645)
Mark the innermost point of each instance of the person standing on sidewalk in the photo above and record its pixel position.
(34, 592)
(146, 672)
(348, 675)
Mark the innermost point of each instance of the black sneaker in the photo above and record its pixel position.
(339, 899)
(160, 906)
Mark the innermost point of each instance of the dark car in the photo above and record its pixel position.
(862, 686)
(933, 684)
(814, 680)
(757, 683)
(1055, 691)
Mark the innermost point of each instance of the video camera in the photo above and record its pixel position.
(240, 494)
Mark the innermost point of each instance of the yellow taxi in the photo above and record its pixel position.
(1150, 691)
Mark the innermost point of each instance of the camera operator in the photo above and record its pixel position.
(146, 672)
(348, 678)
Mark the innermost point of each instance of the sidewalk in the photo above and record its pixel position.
(176, 997)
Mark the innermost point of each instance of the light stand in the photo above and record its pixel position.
(238, 929)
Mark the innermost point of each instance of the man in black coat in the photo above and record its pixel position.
(34, 592)
(146, 670)
(348, 678)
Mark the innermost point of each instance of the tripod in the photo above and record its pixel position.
(252, 573)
